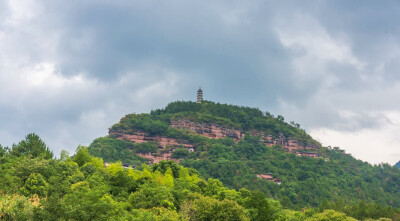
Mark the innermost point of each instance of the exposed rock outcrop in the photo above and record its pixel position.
(208, 130)
(269, 177)
(290, 145)
(157, 158)
(141, 137)
(167, 145)
(212, 131)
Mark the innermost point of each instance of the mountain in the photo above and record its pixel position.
(397, 165)
(247, 148)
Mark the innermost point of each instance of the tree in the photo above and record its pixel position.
(64, 155)
(151, 195)
(121, 183)
(3, 151)
(180, 153)
(261, 207)
(209, 209)
(82, 155)
(331, 215)
(214, 187)
(90, 203)
(32, 146)
(35, 184)
(163, 166)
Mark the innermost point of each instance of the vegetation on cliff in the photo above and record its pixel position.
(38, 187)
(231, 116)
(334, 177)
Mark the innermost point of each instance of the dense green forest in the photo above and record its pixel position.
(335, 180)
(36, 186)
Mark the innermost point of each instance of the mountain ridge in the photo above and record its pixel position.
(245, 147)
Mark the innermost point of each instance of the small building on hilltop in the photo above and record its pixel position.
(199, 96)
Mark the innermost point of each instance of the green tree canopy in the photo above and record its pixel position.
(33, 146)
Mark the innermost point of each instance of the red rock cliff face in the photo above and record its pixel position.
(208, 130)
(290, 145)
(141, 137)
(218, 132)
(212, 131)
(167, 145)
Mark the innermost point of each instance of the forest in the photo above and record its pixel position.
(335, 180)
(38, 186)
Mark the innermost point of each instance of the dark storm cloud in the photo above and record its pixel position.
(105, 40)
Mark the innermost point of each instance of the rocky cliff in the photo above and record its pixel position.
(208, 130)
(166, 145)
(212, 131)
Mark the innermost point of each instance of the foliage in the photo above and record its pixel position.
(32, 146)
(82, 188)
(82, 156)
(231, 116)
(147, 147)
(334, 177)
(361, 210)
(143, 122)
(239, 117)
(18, 207)
(35, 184)
(331, 215)
(180, 153)
(206, 208)
(305, 181)
(2, 151)
(112, 150)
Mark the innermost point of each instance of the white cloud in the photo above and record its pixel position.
(353, 107)
(68, 111)
(45, 75)
(22, 11)
(375, 145)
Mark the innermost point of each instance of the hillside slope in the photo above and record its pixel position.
(244, 147)
(397, 165)
(36, 186)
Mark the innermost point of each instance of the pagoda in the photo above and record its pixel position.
(199, 96)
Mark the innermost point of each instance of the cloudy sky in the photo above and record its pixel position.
(70, 69)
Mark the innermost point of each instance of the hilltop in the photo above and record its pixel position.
(186, 124)
(397, 165)
(246, 147)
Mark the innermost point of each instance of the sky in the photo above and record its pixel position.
(71, 69)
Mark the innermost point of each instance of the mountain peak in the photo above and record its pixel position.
(239, 145)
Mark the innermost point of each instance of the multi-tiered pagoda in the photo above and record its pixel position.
(199, 96)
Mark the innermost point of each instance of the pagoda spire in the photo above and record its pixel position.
(199, 96)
